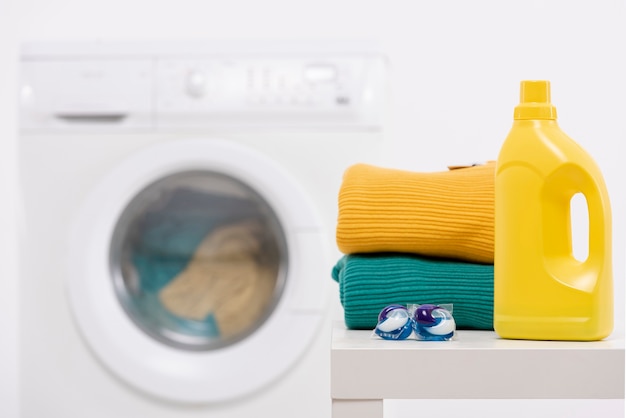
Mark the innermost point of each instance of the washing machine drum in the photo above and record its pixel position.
(197, 271)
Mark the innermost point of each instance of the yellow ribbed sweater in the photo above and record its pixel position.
(443, 214)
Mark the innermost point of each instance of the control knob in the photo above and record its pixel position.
(196, 83)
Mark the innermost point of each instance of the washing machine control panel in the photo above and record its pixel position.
(117, 86)
(269, 90)
(254, 85)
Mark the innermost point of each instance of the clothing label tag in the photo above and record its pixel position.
(459, 166)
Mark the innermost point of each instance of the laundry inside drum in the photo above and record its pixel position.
(198, 260)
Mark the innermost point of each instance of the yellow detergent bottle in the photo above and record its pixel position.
(541, 291)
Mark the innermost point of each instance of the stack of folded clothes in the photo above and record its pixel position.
(411, 237)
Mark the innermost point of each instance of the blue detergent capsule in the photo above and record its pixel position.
(433, 323)
(394, 323)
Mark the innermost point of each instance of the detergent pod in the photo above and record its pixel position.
(394, 323)
(433, 323)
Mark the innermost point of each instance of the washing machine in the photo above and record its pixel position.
(178, 204)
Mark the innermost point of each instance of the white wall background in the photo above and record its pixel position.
(8, 260)
(456, 71)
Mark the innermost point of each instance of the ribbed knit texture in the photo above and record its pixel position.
(369, 282)
(444, 214)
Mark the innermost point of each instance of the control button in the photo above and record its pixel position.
(196, 84)
(342, 100)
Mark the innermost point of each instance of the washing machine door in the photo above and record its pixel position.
(197, 270)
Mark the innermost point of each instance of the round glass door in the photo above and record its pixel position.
(198, 260)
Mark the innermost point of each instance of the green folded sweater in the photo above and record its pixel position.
(369, 282)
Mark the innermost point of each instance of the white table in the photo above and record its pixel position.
(475, 365)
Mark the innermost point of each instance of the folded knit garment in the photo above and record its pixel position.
(369, 282)
(443, 214)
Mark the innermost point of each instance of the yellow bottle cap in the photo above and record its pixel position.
(535, 101)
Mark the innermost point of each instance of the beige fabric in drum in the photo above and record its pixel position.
(231, 275)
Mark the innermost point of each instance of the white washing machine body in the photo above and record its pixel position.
(179, 205)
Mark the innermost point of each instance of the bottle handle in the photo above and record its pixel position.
(599, 208)
(560, 187)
